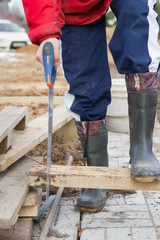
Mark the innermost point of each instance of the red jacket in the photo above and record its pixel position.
(46, 17)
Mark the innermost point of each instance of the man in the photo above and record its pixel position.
(136, 53)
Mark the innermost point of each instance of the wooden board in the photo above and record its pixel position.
(11, 118)
(31, 198)
(88, 177)
(31, 99)
(13, 191)
(6, 143)
(31, 210)
(68, 131)
(35, 133)
(22, 231)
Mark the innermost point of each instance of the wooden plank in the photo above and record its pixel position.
(5, 144)
(88, 177)
(35, 133)
(22, 231)
(31, 210)
(9, 119)
(22, 124)
(31, 198)
(31, 99)
(13, 191)
(68, 131)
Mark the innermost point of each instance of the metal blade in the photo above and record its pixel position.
(50, 126)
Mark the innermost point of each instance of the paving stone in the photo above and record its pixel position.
(156, 139)
(152, 194)
(93, 234)
(156, 219)
(113, 162)
(144, 234)
(67, 201)
(115, 199)
(65, 209)
(66, 224)
(67, 217)
(124, 162)
(116, 223)
(131, 208)
(158, 232)
(137, 198)
(155, 212)
(114, 152)
(62, 233)
(154, 207)
(119, 215)
(118, 234)
(124, 165)
(153, 201)
(114, 144)
(112, 137)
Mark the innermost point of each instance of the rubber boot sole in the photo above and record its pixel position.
(146, 179)
(92, 210)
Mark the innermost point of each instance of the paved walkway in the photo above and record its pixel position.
(126, 216)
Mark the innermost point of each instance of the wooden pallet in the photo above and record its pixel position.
(88, 177)
(13, 191)
(11, 118)
(35, 133)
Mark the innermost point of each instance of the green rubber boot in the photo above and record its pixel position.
(142, 110)
(93, 136)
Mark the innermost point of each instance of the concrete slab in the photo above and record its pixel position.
(144, 234)
(94, 234)
(118, 234)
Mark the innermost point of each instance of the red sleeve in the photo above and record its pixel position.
(45, 19)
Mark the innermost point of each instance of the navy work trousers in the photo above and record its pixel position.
(134, 47)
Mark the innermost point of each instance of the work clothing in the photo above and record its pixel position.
(86, 69)
(94, 139)
(134, 47)
(45, 18)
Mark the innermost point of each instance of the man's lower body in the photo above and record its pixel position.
(84, 54)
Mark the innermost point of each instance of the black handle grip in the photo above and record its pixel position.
(48, 49)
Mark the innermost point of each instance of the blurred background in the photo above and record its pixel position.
(13, 10)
